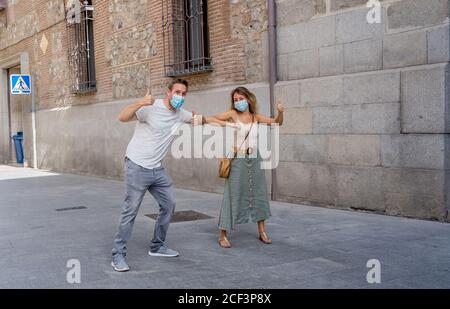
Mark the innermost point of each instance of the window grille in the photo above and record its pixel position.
(80, 36)
(185, 37)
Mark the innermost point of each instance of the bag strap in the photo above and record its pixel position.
(246, 136)
(248, 133)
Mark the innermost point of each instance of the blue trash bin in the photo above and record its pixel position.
(18, 146)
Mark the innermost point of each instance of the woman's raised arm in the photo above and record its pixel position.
(221, 119)
(278, 119)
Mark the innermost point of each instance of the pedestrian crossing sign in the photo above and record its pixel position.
(20, 84)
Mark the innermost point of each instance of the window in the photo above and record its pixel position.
(185, 36)
(3, 17)
(3, 4)
(80, 36)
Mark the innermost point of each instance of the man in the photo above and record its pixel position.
(157, 120)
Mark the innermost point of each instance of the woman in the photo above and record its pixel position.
(245, 196)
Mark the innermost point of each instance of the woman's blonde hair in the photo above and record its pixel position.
(251, 99)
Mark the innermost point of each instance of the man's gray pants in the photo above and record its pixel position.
(138, 181)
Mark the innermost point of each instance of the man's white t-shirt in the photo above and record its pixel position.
(154, 132)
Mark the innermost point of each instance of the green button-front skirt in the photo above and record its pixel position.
(245, 196)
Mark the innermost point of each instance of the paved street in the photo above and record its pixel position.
(313, 247)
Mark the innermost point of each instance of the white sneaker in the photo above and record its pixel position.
(164, 251)
(119, 264)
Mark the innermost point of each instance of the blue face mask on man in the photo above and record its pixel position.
(177, 101)
(241, 105)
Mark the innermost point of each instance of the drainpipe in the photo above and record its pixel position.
(33, 121)
(272, 74)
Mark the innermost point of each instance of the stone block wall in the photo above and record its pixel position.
(367, 120)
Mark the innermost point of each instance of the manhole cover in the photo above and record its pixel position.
(71, 208)
(183, 216)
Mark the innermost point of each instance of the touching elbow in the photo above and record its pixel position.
(122, 118)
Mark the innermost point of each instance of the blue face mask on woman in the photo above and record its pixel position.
(177, 101)
(241, 105)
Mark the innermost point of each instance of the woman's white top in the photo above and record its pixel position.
(243, 129)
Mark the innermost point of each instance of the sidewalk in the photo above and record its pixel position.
(313, 247)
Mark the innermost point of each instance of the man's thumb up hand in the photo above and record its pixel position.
(196, 119)
(193, 118)
(148, 99)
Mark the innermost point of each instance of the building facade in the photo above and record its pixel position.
(367, 114)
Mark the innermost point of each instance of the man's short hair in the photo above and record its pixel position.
(178, 81)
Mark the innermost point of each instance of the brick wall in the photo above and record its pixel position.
(80, 133)
(129, 47)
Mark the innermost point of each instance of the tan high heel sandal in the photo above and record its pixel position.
(264, 238)
(224, 242)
